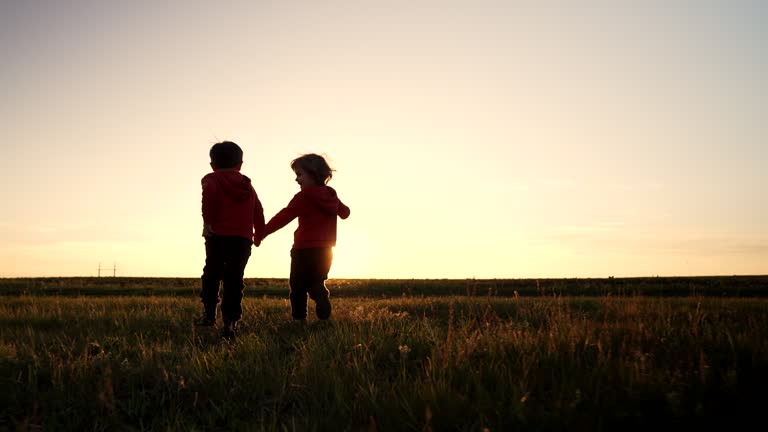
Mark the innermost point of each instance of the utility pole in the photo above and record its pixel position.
(114, 269)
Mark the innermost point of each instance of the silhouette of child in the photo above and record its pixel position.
(233, 220)
(317, 207)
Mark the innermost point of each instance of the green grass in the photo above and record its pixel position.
(404, 363)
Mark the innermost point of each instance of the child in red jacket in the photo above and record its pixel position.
(317, 207)
(233, 220)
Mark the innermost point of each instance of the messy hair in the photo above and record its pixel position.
(226, 154)
(315, 166)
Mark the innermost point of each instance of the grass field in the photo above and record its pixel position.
(611, 354)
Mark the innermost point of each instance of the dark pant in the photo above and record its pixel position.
(309, 270)
(225, 260)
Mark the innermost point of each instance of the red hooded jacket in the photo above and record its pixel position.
(317, 208)
(231, 206)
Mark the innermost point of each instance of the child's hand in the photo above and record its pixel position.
(257, 240)
(207, 231)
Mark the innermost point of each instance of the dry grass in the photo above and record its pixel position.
(437, 363)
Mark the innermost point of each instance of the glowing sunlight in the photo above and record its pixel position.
(352, 257)
(487, 138)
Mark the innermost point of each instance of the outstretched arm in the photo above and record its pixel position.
(284, 216)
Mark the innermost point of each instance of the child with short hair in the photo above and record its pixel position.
(317, 206)
(233, 220)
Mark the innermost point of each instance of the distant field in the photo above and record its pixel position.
(611, 354)
(717, 286)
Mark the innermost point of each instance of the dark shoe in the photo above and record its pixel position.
(229, 330)
(205, 321)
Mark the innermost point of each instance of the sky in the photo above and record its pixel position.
(471, 139)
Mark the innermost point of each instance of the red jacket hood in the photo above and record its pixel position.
(234, 184)
(324, 197)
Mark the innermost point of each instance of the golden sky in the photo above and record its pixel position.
(487, 139)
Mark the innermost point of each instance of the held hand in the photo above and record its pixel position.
(257, 240)
(207, 231)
